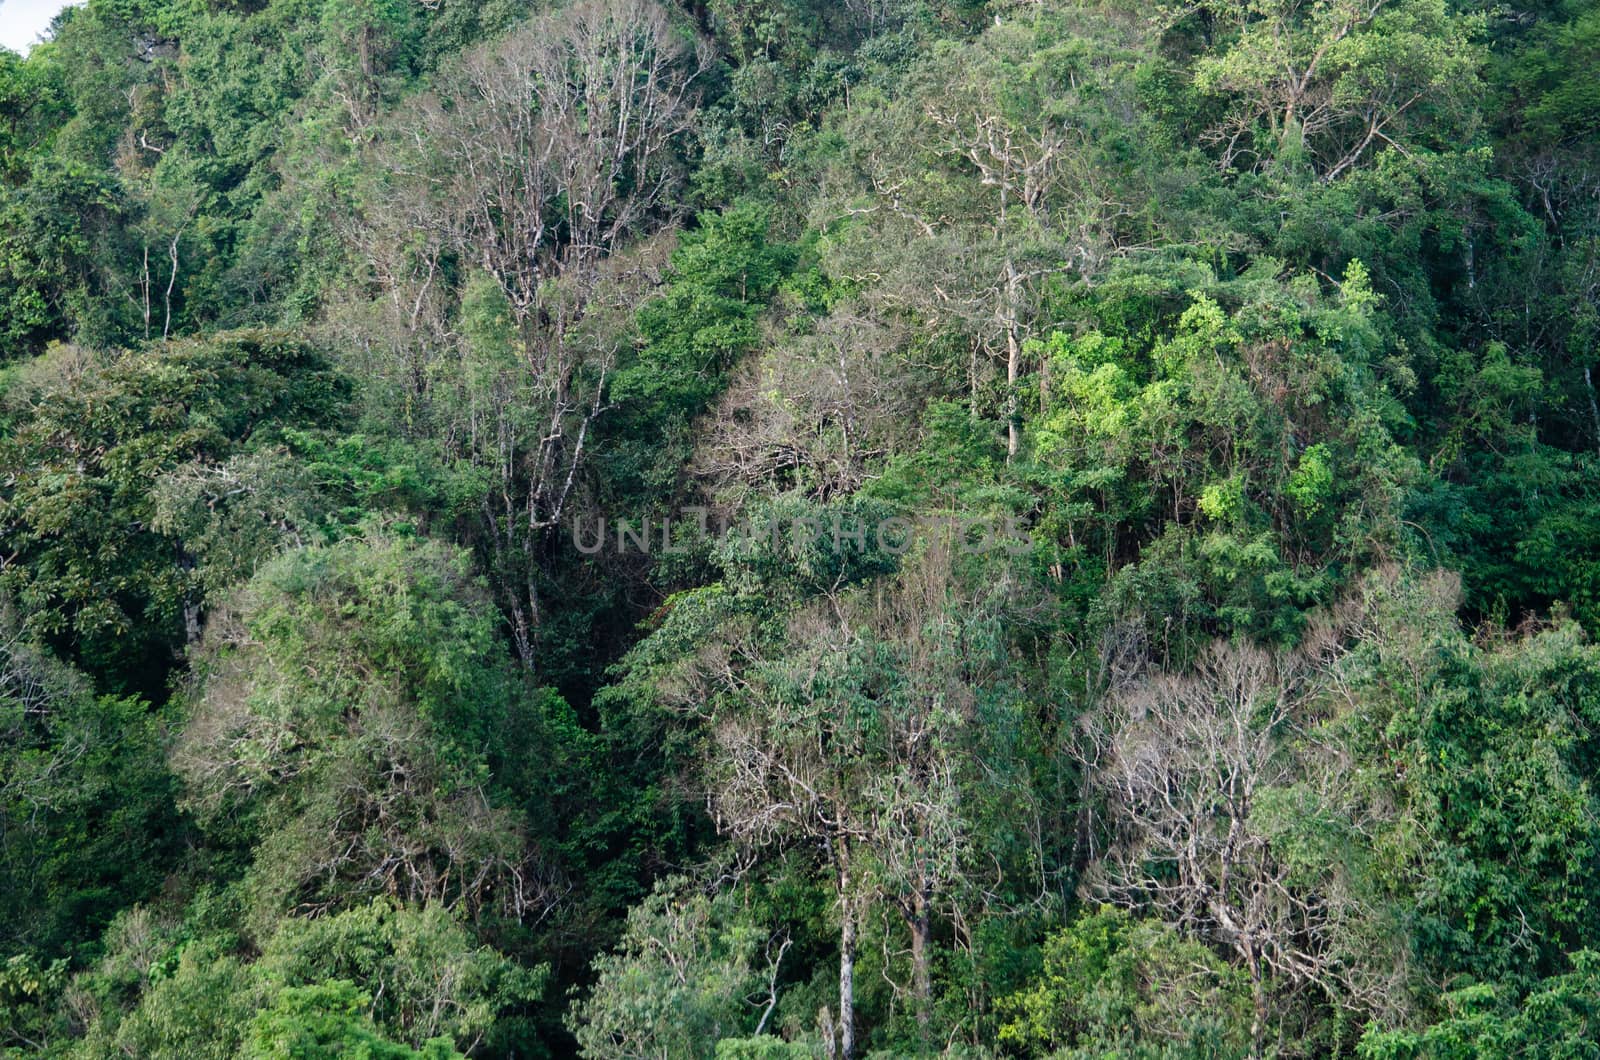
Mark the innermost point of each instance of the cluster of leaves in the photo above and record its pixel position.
(1159, 443)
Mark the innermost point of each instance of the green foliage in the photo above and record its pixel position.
(1489, 753)
(50, 272)
(1112, 985)
(354, 708)
(321, 323)
(1252, 450)
(687, 974)
(30, 994)
(33, 99)
(195, 1004)
(429, 988)
(428, 976)
(763, 1047)
(1550, 101)
(723, 274)
(326, 1021)
(86, 803)
(1555, 1020)
(1321, 81)
(97, 577)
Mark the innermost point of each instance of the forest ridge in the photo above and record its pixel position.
(1267, 331)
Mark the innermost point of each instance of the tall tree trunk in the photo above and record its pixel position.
(191, 606)
(1594, 407)
(1258, 999)
(1013, 359)
(1013, 362)
(921, 980)
(144, 287)
(847, 956)
(172, 279)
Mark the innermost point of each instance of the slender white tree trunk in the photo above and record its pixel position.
(847, 956)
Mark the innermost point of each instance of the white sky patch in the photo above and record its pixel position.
(22, 21)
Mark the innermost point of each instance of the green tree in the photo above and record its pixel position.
(86, 802)
(1488, 751)
(865, 727)
(1332, 81)
(1114, 984)
(428, 976)
(1229, 470)
(91, 571)
(325, 1022)
(356, 723)
(184, 983)
(691, 971)
(33, 101)
(55, 234)
(1554, 1020)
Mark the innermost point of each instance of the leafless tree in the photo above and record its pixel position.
(534, 161)
(554, 145)
(816, 411)
(1184, 766)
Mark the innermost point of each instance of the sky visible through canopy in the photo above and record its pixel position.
(22, 21)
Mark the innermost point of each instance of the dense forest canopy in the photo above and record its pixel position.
(755, 529)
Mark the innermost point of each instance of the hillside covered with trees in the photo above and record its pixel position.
(776, 529)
